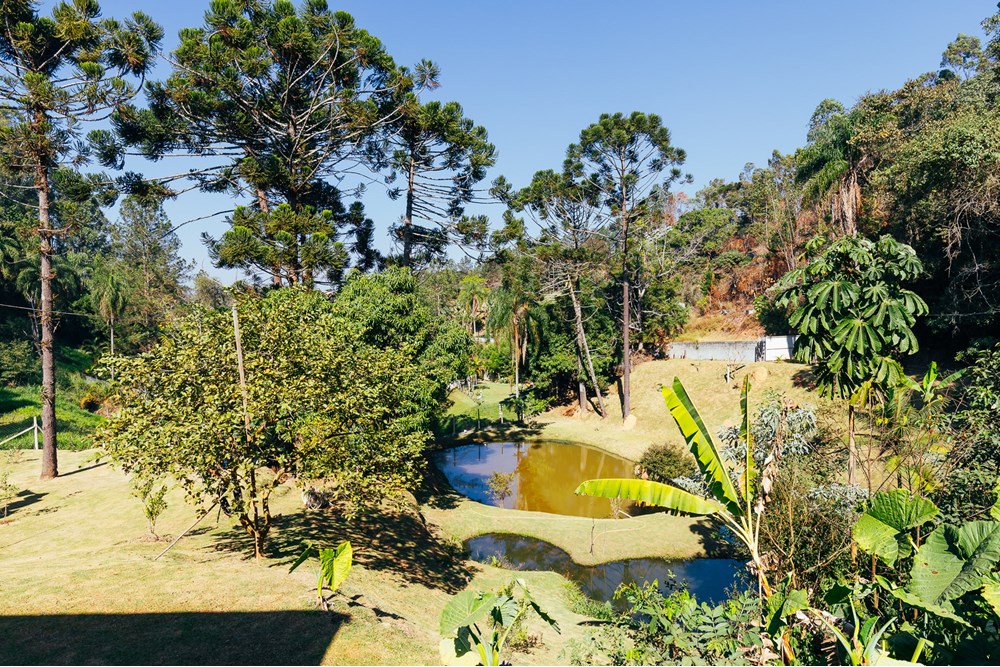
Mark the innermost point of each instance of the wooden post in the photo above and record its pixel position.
(34, 430)
(243, 377)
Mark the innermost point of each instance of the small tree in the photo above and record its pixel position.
(313, 400)
(153, 502)
(499, 484)
(854, 318)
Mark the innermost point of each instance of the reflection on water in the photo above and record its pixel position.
(706, 578)
(545, 475)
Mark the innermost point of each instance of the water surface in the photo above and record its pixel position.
(706, 578)
(545, 475)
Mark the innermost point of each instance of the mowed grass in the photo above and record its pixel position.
(81, 586)
(464, 407)
(587, 541)
(19, 404)
(717, 401)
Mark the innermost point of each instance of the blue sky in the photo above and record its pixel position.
(732, 80)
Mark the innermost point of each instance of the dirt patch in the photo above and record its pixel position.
(152, 539)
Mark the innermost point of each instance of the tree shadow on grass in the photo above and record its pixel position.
(9, 402)
(24, 499)
(382, 540)
(177, 638)
(713, 544)
(805, 378)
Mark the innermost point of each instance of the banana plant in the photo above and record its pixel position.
(736, 504)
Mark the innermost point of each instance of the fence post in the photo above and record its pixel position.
(34, 430)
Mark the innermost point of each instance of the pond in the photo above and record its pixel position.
(706, 578)
(545, 475)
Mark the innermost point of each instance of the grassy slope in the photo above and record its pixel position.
(587, 541)
(717, 402)
(80, 585)
(19, 404)
(76, 425)
(464, 407)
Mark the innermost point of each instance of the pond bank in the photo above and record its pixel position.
(587, 541)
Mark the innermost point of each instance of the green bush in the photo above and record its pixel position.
(662, 463)
(773, 318)
(18, 363)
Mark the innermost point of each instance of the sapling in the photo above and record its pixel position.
(153, 502)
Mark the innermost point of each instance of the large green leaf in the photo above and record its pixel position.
(954, 561)
(465, 609)
(651, 493)
(882, 529)
(991, 592)
(945, 610)
(782, 604)
(705, 451)
(335, 564)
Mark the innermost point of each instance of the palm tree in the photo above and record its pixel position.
(832, 166)
(514, 312)
(110, 301)
(473, 294)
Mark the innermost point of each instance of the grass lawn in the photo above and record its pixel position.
(463, 412)
(587, 541)
(81, 586)
(19, 404)
(717, 402)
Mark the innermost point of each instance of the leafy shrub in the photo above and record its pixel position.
(676, 629)
(18, 363)
(773, 318)
(663, 463)
(93, 397)
(153, 502)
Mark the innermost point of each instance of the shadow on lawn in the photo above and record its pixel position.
(181, 638)
(9, 402)
(24, 499)
(713, 544)
(383, 541)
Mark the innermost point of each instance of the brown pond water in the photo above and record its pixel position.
(545, 475)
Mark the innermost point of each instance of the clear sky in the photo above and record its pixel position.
(732, 80)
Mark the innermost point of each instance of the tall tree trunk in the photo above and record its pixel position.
(582, 385)
(517, 363)
(626, 353)
(852, 447)
(112, 346)
(265, 209)
(626, 319)
(408, 219)
(50, 466)
(581, 342)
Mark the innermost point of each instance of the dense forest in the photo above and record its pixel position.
(877, 243)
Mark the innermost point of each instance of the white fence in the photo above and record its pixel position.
(768, 348)
(34, 430)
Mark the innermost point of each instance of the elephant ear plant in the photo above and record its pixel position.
(334, 566)
(483, 622)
